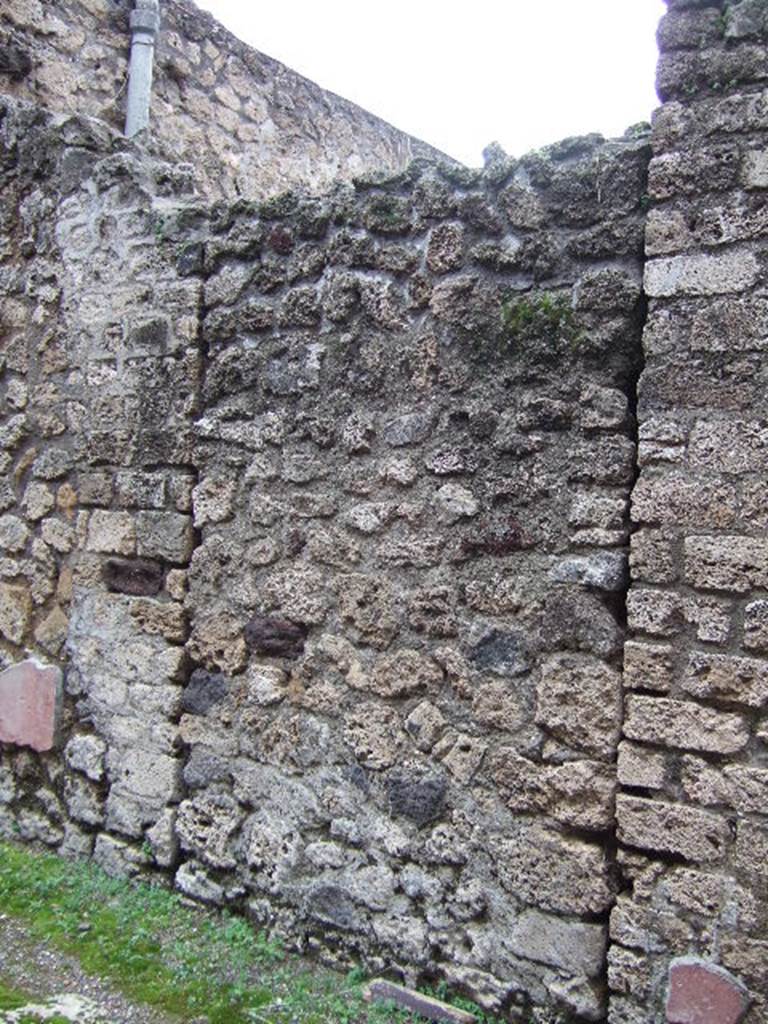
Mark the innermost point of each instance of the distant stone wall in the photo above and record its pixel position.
(247, 124)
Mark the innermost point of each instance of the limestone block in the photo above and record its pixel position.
(374, 734)
(111, 532)
(13, 534)
(701, 992)
(30, 705)
(37, 501)
(85, 753)
(756, 626)
(116, 857)
(409, 428)
(648, 666)
(146, 774)
(402, 673)
(425, 724)
(638, 766)
(445, 248)
(679, 500)
(606, 570)
(659, 613)
(727, 677)
(730, 446)
(166, 535)
(454, 502)
(579, 701)
(700, 274)
(683, 724)
(670, 828)
(212, 500)
(572, 946)
(163, 839)
(726, 562)
(738, 786)
(84, 802)
(15, 610)
(206, 825)
(51, 633)
(555, 872)
(754, 169)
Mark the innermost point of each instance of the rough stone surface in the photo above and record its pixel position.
(324, 502)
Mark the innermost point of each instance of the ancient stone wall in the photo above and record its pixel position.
(322, 504)
(691, 816)
(338, 491)
(245, 123)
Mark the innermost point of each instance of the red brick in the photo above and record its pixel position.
(703, 993)
(30, 703)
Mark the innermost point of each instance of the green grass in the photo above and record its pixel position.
(183, 960)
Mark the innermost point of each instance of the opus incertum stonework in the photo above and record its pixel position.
(401, 538)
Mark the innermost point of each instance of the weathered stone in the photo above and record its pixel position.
(726, 562)
(579, 701)
(138, 576)
(756, 626)
(676, 723)
(204, 691)
(217, 642)
(606, 570)
(639, 767)
(13, 534)
(206, 825)
(444, 250)
(648, 666)
(409, 428)
(403, 673)
(574, 947)
(111, 533)
(85, 753)
(425, 724)
(454, 502)
(30, 705)
(667, 828)
(374, 734)
(502, 652)
(725, 677)
(554, 872)
(700, 275)
(275, 637)
(414, 795)
(212, 500)
(165, 535)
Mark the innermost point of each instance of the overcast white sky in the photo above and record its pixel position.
(460, 75)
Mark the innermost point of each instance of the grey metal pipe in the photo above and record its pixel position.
(145, 23)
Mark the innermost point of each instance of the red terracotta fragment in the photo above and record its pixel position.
(30, 705)
(703, 993)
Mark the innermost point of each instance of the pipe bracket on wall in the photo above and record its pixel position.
(145, 24)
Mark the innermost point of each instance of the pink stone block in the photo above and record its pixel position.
(30, 705)
(703, 993)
